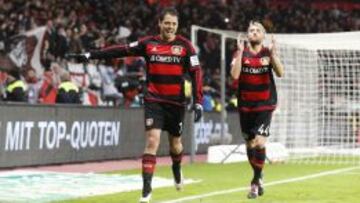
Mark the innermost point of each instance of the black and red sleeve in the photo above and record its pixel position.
(195, 74)
(136, 48)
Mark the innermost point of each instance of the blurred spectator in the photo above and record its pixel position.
(33, 86)
(75, 26)
(188, 90)
(48, 88)
(232, 104)
(88, 21)
(208, 103)
(68, 92)
(3, 77)
(110, 94)
(49, 83)
(15, 88)
(130, 88)
(210, 52)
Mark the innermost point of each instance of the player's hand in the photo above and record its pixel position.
(272, 46)
(82, 57)
(198, 112)
(240, 43)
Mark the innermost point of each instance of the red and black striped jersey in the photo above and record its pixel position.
(256, 86)
(167, 64)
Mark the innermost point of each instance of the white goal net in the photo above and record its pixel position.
(318, 114)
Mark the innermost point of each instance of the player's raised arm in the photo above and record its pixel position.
(116, 51)
(278, 67)
(237, 61)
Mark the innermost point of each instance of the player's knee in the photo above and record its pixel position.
(176, 146)
(259, 142)
(152, 142)
(177, 149)
(251, 143)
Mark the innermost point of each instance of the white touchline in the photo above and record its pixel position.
(316, 175)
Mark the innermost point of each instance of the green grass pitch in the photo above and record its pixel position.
(340, 187)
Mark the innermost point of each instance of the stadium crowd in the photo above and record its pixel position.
(77, 26)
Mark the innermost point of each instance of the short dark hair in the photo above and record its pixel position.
(169, 10)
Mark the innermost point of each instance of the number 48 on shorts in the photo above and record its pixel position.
(255, 123)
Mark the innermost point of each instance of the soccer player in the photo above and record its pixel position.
(253, 67)
(169, 57)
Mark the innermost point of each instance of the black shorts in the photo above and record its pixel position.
(164, 116)
(255, 123)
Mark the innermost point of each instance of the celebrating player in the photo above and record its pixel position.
(257, 98)
(169, 57)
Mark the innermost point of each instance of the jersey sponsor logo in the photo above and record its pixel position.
(247, 61)
(176, 50)
(194, 60)
(253, 70)
(165, 59)
(265, 61)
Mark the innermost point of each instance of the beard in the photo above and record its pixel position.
(255, 43)
(167, 36)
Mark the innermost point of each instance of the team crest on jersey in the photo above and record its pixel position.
(154, 49)
(176, 50)
(265, 61)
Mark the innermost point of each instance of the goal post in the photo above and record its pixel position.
(318, 114)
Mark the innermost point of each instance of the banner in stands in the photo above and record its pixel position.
(24, 51)
(27, 49)
(41, 135)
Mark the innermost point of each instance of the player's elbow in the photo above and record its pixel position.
(234, 73)
(234, 76)
(280, 74)
(279, 70)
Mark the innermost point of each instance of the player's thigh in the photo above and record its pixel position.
(154, 116)
(246, 125)
(174, 120)
(262, 121)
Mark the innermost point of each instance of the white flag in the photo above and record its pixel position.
(27, 50)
